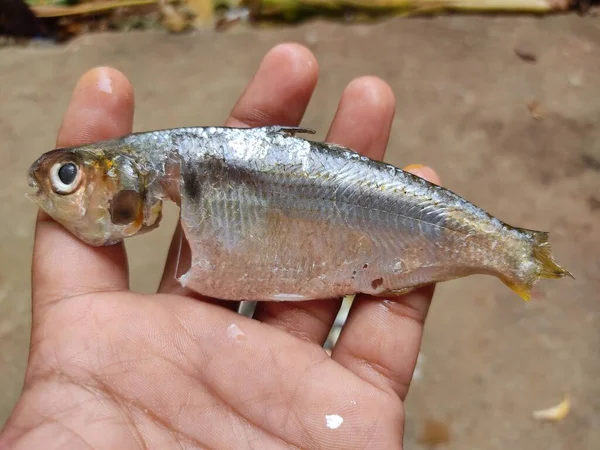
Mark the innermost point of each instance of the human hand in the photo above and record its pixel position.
(113, 369)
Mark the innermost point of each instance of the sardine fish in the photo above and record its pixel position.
(271, 216)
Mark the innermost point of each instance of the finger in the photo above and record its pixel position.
(362, 122)
(278, 94)
(280, 91)
(101, 107)
(381, 338)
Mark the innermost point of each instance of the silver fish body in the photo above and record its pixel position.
(271, 216)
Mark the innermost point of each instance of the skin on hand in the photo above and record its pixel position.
(109, 368)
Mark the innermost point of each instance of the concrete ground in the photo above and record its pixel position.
(489, 359)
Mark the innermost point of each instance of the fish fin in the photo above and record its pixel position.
(546, 266)
(394, 292)
(523, 290)
(402, 291)
(289, 130)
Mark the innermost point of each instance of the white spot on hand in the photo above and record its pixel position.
(235, 332)
(333, 421)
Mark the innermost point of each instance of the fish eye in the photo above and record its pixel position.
(65, 177)
(67, 173)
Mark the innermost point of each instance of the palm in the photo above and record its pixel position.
(110, 368)
(167, 380)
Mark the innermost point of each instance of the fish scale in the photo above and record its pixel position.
(320, 210)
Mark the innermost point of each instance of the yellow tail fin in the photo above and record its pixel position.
(546, 266)
(523, 290)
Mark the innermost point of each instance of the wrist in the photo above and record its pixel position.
(26, 428)
(54, 414)
(15, 436)
(48, 415)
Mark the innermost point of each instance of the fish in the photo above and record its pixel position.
(269, 215)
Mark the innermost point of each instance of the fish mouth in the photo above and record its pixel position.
(33, 182)
(32, 179)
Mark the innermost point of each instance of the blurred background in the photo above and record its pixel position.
(501, 97)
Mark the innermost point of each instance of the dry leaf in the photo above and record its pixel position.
(98, 7)
(526, 55)
(171, 18)
(203, 11)
(536, 109)
(555, 413)
(434, 433)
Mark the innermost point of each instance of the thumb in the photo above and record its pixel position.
(101, 107)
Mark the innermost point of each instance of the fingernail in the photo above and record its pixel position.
(424, 172)
(412, 167)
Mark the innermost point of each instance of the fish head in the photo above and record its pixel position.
(99, 196)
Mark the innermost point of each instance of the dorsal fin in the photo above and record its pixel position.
(288, 130)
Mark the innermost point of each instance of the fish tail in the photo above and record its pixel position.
(545, 266)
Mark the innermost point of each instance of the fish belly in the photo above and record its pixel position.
(300, 234)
